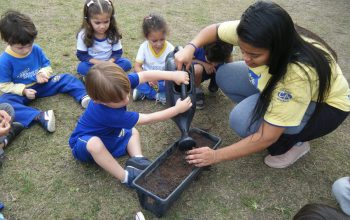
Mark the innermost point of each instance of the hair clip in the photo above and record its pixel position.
(148, 18)
(90, 3)
(108, 2)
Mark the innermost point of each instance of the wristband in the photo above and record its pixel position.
(194, 46)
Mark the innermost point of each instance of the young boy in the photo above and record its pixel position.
(8, 129)
(206, 61)
(106, 129)
(25, 73)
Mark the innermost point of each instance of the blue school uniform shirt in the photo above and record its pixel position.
(22, 70)
(199, 54)
(102, 121)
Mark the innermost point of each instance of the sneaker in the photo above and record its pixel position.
(160, 97)
(288, 158)
(199, 100)
(139, 216)
(15, 129)
(137, 95)
(138, 162)
(213, 87)
(47, 120)
(85, 101)
(132, 174)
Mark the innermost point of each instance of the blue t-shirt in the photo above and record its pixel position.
(102, 121)
(199, 54)
(22, 70)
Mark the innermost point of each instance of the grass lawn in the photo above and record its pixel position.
(41, 180)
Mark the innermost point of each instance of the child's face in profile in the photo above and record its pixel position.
(120, 104)
(22, 49)
(156, 39)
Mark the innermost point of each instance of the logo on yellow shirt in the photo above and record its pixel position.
(284, 96)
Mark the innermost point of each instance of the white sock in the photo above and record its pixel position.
(126, 177)
(138, 155)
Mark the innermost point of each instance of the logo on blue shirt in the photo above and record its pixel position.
(284, 96)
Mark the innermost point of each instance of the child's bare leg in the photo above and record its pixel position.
(198, 71)
(134, 145)
(134, 149)
(105, 159)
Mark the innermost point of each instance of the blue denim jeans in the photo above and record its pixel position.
(341, 192)
(233, 80)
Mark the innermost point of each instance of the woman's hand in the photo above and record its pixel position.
(184, 57)
(201, 157)
(183, 105)
(29, 93)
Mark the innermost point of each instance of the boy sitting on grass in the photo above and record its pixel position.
(206, 61)
(106, 129)
(26, 74)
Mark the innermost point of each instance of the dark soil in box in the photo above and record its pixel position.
(167, 176)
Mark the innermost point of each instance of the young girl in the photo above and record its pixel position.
(106, 129)
(151, 56)
(99, 38)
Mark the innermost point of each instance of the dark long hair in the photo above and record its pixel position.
(267, 25)
(95, 7)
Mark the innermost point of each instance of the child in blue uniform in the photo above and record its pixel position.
(151, 56)
(106, 129)
(25, 73)
(99, 39)
(206, 61)
(8, 129)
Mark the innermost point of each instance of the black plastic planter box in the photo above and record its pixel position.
(151, 201)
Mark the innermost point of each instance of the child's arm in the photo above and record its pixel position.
(14, 88)
(44, 74)
(138, 67)
(115, 55)
(180, 107)
(154, 75)
(209, 68)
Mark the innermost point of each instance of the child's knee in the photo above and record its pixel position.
(95, 145)
(237, 124)
(135, 132)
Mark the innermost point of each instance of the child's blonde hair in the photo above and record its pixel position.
(106, 82)
(96, 7)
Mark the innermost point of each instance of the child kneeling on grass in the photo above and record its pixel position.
(106, 129)
(26, 73)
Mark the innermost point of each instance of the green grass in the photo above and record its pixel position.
(41, 180)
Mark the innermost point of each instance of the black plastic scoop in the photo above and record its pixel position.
(173, 93)
(186, 142)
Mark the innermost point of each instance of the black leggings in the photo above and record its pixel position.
(324, 122)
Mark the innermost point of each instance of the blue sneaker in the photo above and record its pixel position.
(47, 120)
(137, 95)
(138, 162)
(160, 97)
(132, 174)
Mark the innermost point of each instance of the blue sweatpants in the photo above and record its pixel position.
(149, 91)
(63, 83)
(84, 67)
